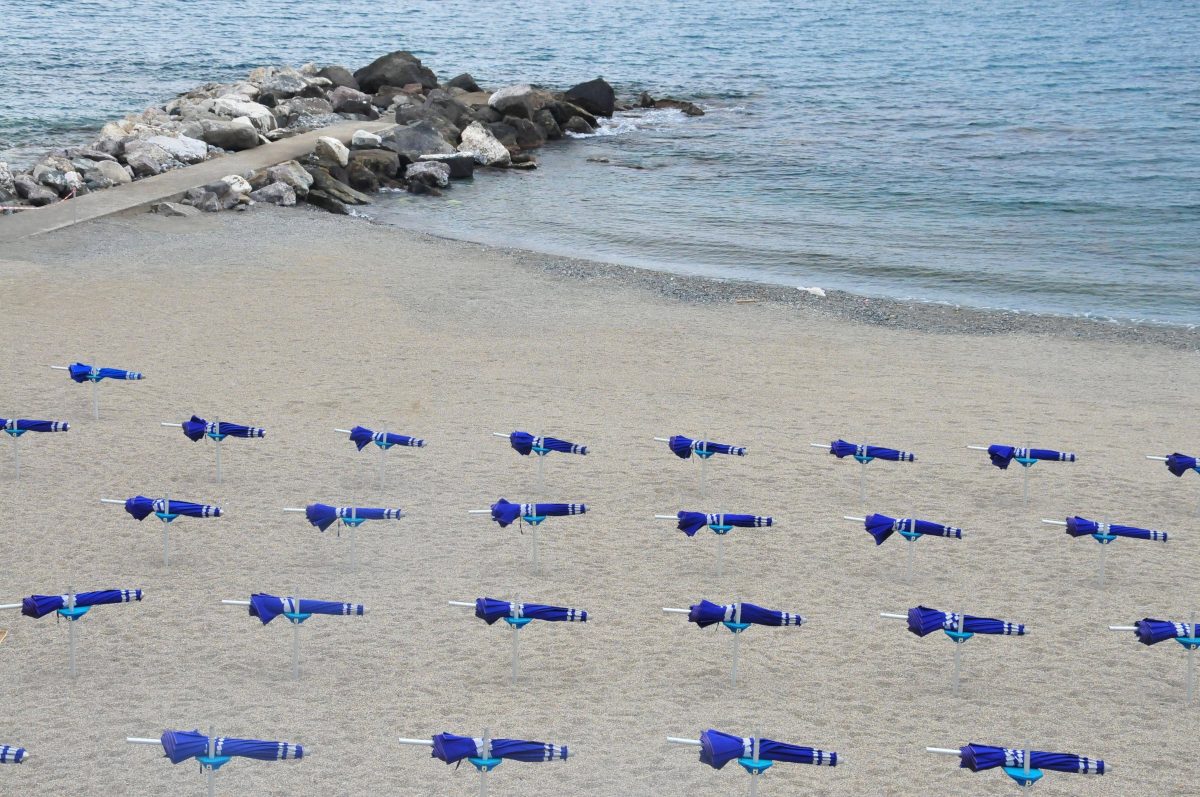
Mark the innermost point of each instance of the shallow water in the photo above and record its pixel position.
(1042, 157)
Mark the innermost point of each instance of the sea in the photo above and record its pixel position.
(1033, 156)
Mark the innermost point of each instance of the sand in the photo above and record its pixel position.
(301, 322)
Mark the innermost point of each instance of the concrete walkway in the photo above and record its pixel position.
(161, 187)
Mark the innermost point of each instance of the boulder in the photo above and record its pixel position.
(275, 194)
(364, 140)
(32, 192)
(148, 159)
(55, 173)
(521, 100)
(306, 122)
(234, 135)
(545, 120)
(464, 82)
(409, 114)
(289, 110)
(394, 69)
(422, 187)
(326, 202)
(181, 148)
(576, 125)
(173, 209)
(327, 184)
(284, 84)
(689, 108)
(461, 164)
(93, 154)
(527, 134)
(381, 162)
(506, 134)
(221, 195)
(338, 76)
(290, 173)
(412, 141)
(347, 100)
(237, 184)
(483, 146)
(97, 182)
(361, 178)
(112, 171)
(389, 96)
(449, 107)
(563, 111)
(8, 188)
(594, 96)
(430, 172)
(232, 106)
(112, 147)
(332, 150)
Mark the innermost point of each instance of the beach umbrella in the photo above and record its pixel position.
(296, 610)
(736, 617)
(323, 516)
(864, 454)
(217, 430)
(361, 436)
(1150, 632)
(1179, 464)
(72, 606)
(12, 755)
(959, 628)
(1025, 766)
(880, 527)
(1003, 456)
(485, 753)
(719, 523)
(755, 755)
(165, 509)
(15, 427)
(1105, 534)
(213, 752)
(684, 447)
(518, 615)
(506, 512)
(525, 444)
(81, 372)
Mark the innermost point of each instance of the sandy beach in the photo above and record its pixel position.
(299, 322)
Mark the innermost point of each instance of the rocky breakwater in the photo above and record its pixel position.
(441, 133)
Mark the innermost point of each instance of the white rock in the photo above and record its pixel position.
(486, 148)
(237, 184)
(182, 148)
(114, 172)
(231, 106)
(332, 149)
(813, 291)
(439, 173)
(364, 140)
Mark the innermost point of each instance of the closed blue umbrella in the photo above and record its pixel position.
(12, 755)
(717, 749)
(179, 746)
(684, 447)
(81, 373)
(981, 757)
(361, 436)
(41, 605)
(864, 453)
(267, 607)
(1151, 632)
(691, 522)
(19, 426)
(452, 749)
(1180, 464)
(1002, 456)
(525, 443)
(706, 613)
(491, 610)
(505, 512)
(923, 621)
(142, 507)
(1081, 527)
(323, 516)
(197, 427)
(881, 527)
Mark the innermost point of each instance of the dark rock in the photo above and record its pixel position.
(113, 147)
(520, 162)
(545, 120)
(148, 159)
(462, 164)
(382, 162)
(521, 100)
(432, 173)
(594, 96)
(645, 100)
(339, 76)
(326, 202)
(35, 194)
(449, 107)
(506, 134)
(422, 187)
(347, 100)
(414, 140)
(386, 96)
(464, 82)
(275, 194)
(394, 69)
(527, 134)
(563, 111)
(362, 178)
(487, 114)
(577, 125)
(94, 154)
(325, 183)
(447, 129)
(689, 108)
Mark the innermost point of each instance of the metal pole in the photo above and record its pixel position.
(296, 641)
(212, 751)
(754, 774)
(217, 440)
(1028, 445)
(535, 549)
(483, 773)
(958, 655)
(95, 393)
(16, 458)
(911, 553)
(516, 641)
(720, 555)
(166, 525)
(382, 454)
(353, 548)
(737, 618)
(71, 631)
(1191, 663)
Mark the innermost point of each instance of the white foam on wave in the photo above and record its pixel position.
(632, 121)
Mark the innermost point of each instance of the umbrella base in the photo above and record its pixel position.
(736, 628)
(73, 614)
(485, 764)
(722, 529)
(213, 762)
(533, 520)
(165, 517)
(15, 432)
(1191, 643)
(1104, 539)
(297, 617)
(754, 766)
(1024, 779)
(958, 637)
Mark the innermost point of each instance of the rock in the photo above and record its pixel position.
(422, 187)
(289, 110)
(8, 188)
(174, 209)
(326, 202)
(237, 184)
(112, 147)
(409, 114)
(339, 76)
(521, 100)
(182, 148)
(387, 96)
(461, 164)
(232, 106)
(112, 171)
(414, 140)
(529, 164)
(361, 178)
(429, 172)
(327, 184)
(234, 135)
(394, 69)
(645, 100)
(275, 194)
(381, 162)
(96, 182)
(545, 120)
(464, 82)
(347, 100)
(333, 150)
(483, 146)
(487, 114)
(55, 173)
(306, 122)
(364, 140)
(563, 111)
(148, 159)
(449, 107)
(32, 192)
(689, 108)
(528, 135)
(506, 134)
(594, 96)
(93, 154)
(284, 84)
(578, 126)
(290, 173)
(221, 195)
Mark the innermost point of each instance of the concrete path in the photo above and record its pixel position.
(161, 187)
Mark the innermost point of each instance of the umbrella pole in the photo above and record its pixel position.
(911, 553)
(737, 618)
(516, 653)
(958, 656)
(217, 440)
(71, 633)
(16, 458)
(720, 555)
(483, 771)
(212, 752)
(754, 772)
(1191, 664)
(296, 647)
(535, 549)
(1100, 566)
(1025, 481)
(353, 548)
(166, 525)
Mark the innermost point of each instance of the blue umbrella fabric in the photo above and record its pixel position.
(197, 427)
(706, 613)
(323, 516)
(978, 757)
(26, 425)
(881, 527)
(717, 749)
(691, 522)
(179, 746)
(1151, 632)
(1002, 456)
(11, 755)
(361, 436)
(505, 512)
(524, 443)
(841, 449)
(683, 447)
(1180, 464)
(267, 607)
(41, 605)
(1081, 527)
(142, 507)
(452, 748)
(491, 610)
(922, 621)
(81, 372)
